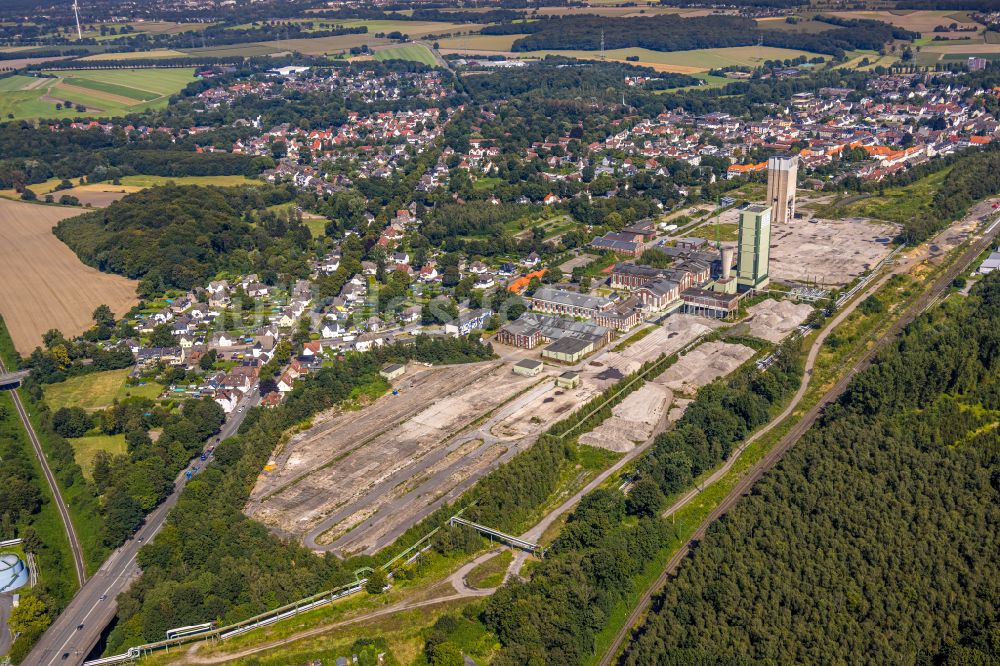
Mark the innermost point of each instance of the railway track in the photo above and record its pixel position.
(74, 543)
(771, 458)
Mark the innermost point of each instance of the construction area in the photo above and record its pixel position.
(703, 365)
(828, 253)
(632, 421)
(350, 463)
(773, 320)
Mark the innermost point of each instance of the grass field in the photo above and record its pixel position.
(411, 28)
(897, 204)
(923, 21)
(325, 45)
(43, 284)
(804, 26)
(415, 52)
(491, 572)
(234, 50)
(479, 42)
(102, 92)
(85, 449)
(97, 390)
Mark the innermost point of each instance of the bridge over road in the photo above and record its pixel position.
(11, 380)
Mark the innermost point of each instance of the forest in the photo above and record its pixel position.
(556, 76)
(874, 540)
(180, 236)
(212, 562)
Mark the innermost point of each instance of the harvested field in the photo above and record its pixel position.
(96, 196)
(772, 320)
(703, 365)
(828, 252)
(45, 285)
(405, 448)
(632, 421)
(917, 21)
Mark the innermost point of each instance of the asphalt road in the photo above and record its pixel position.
(94, 605)
(74, 543)
(772, 457)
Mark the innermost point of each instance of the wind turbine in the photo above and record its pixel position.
(76, 11)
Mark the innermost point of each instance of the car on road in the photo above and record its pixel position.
(241, 409)
(103, 597)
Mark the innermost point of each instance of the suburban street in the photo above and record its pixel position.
(78, 628)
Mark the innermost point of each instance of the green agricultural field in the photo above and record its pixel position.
(479, 42)
(85, 449)
(411, 28)
(415, 52)
(96, 391)
(104, 93)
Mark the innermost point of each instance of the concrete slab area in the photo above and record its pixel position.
(828, 252)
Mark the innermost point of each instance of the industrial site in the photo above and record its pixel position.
(356, 480)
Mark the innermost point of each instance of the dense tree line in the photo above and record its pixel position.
(873, 541)
(212, 562)
(671, 32)
(181, 236)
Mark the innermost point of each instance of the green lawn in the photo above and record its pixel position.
(415, 52)
(490, 573)
(97, 390)
(86, 448)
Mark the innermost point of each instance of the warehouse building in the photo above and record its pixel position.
(569, 303)
(533, 328)
(568, 350)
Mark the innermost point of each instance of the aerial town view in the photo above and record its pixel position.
(500, 332)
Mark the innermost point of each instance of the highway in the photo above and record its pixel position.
(78, 628)
(74, 543)
(771, 458)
